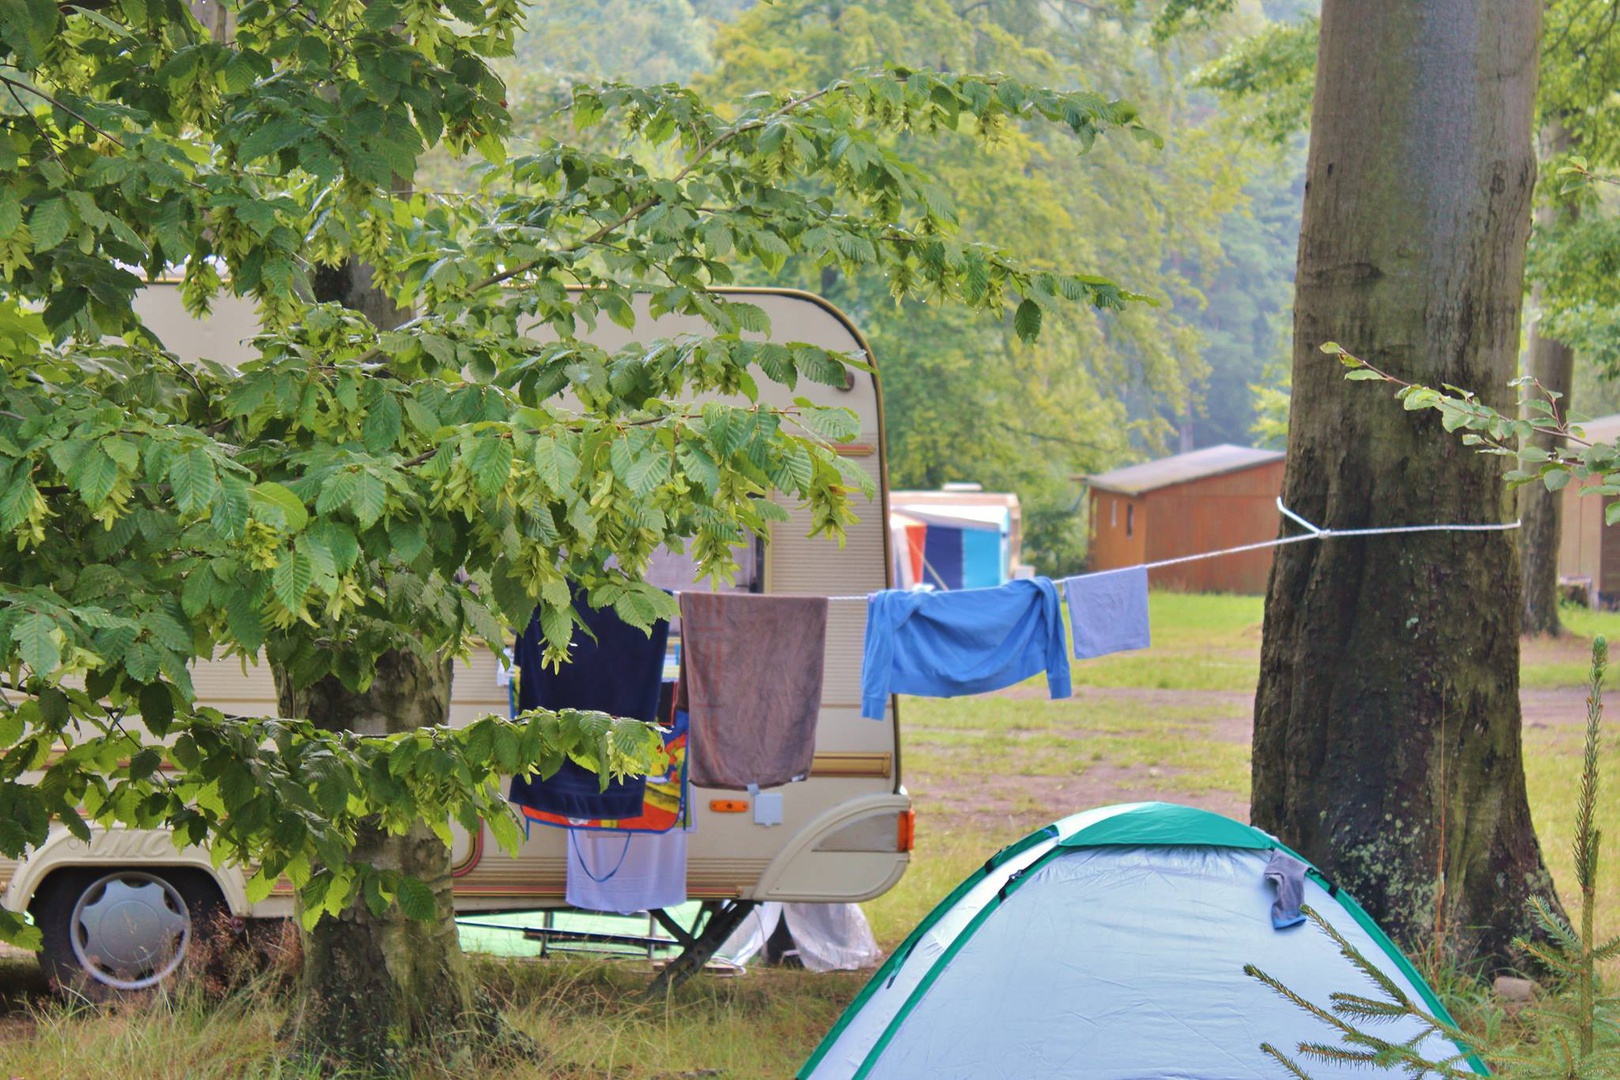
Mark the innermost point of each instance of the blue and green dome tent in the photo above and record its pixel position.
(1112, 946)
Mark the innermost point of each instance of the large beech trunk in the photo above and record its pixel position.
(1387, 726)
(376, 986)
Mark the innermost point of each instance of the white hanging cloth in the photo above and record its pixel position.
(828, 937)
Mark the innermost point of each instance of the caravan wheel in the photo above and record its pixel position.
(107, 933)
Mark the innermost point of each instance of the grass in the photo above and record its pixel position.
(1199, 643)
(1171, 721)
(584, 1017)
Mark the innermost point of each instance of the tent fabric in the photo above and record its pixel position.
(1080, 953)
(942, 557)
(966, 546)
(910, 538)
(984, 565)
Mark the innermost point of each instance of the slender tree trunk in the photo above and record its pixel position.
(1387, 724)
(1552, 363)
(375, 987)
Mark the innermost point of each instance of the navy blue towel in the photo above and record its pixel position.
(621, 674)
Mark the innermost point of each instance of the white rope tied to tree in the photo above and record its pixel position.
(1313, 533)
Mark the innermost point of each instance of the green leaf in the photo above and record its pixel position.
(50, 223)
(320, 557)
(648, 471)
(232, 508)
(17, 502)
(383, 424)
(337, 491)
(370, 499)
(291, 579)
(1556, 479)
(1027, 320)
(340, 540)
(699, 466)
(278, 505)
(416, 900)
(835, 424)
(490, 462)
(750, 317)
(407, 537)
(193, 481)
(36, 637)
(93, 476)
(259, 887)
(555, 463)
(11, 727)
(157, 708)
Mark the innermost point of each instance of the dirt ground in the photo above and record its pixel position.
(1217, 716)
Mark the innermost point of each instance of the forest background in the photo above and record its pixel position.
(1205, 224)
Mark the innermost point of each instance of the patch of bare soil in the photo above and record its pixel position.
(1007, 805)
(1557, 708)
(21, 987)
(1010, 805)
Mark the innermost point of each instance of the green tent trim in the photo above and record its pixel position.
(1151, 824)
(920, 991)
(898, 957)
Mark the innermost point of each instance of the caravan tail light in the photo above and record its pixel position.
(906, 833)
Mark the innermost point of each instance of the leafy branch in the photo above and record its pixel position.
(1571, 457)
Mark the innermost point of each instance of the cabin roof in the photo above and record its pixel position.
(1181, 468)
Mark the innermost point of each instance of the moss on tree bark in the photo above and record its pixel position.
(376, 987)
(1387, 724)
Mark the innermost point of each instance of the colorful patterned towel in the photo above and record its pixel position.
(665, 806)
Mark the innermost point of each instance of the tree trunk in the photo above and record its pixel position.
(1386, 744)
(374, 987)
(1552, 363)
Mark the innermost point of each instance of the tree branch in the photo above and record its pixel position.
(17, 84)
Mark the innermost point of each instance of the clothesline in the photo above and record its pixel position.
(1313, 533)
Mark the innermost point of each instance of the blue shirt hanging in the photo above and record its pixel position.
(945, 644)
(619, 673)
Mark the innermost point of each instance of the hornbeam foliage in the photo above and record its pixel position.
(353, 491)
(1491, 432)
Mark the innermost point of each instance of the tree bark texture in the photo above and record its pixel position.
(376, 986)
(1387, 725)
(1552, 363)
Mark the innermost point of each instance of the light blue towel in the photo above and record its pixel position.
(944, 644)
(1108, 612)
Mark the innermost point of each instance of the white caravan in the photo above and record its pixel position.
(117, 912)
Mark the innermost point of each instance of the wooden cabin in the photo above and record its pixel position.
(1589, 552)
(1204, 500)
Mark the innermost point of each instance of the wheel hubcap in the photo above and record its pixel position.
(129, 930)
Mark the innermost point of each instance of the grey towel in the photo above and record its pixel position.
(1108, 612)
(751, 670)
(1288, 875)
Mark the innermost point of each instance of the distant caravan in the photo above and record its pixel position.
(120, 912)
